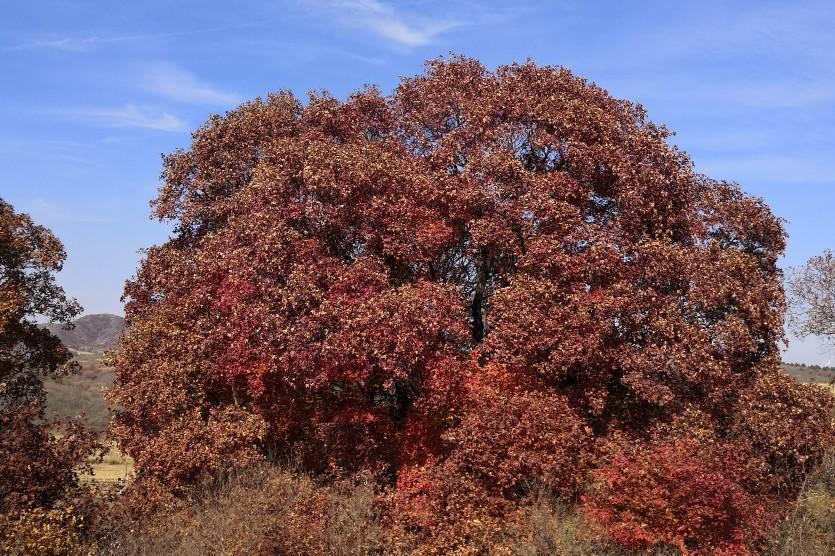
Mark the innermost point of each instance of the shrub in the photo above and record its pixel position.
(512, 436)
(257, 510)
(809, 527)
(39, 532)
(699, 498)
(789, 424)
(36, 468)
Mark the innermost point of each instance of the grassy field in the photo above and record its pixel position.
(113, 467)
(823, 376)
(82, 393)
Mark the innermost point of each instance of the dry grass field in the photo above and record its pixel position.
(114, 466)
(83, 393)
(823, 376)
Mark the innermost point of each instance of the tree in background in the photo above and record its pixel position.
(483, 282)
(36, 467)
(811, 290)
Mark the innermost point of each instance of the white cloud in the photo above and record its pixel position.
(83, 44)
(128, 115)
(381, 19)
(174, 83)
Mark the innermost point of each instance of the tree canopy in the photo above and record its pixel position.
(35, 468)
(483, 280)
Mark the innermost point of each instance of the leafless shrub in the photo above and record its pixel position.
(809, 530)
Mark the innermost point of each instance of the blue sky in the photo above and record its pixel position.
(94, 92)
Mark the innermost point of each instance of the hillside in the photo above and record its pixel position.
(91, 332)
(83, 393)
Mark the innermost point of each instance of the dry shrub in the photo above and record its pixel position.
(270, 510)
(262, 510)
(809, 530)
(338, 519)
(553, 526)
(42, 532)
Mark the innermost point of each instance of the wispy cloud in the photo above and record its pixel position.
(47, 211)
(90, 42)
(128, 115)
(403, 29)
(77, 44)
(738, 93)
(68, 44)
(800, 32)
(174, 83)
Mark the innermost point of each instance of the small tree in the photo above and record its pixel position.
(36, 467)
(811, 291)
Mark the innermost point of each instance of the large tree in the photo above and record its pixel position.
(36, 467)
(483, 280)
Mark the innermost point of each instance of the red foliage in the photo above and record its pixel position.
(698, 497)
(37, 467)
(473, 281)
(511, 437)
(789, 424)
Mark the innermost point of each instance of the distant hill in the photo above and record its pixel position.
(810, 373)
(91, 332)
(83, 393)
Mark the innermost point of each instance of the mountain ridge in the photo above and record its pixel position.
(96, 332)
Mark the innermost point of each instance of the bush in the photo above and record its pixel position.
(789, 424)
(260, 510)
(699, 498)
(39, 468)
(809, 528)
(40, 532)
(511, 436)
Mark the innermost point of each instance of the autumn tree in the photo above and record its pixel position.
(483, 281)
(36, 468)
(811, 290)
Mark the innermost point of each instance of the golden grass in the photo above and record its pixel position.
(114, 466)
(809, 530)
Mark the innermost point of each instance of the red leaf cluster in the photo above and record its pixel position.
(698, 497)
